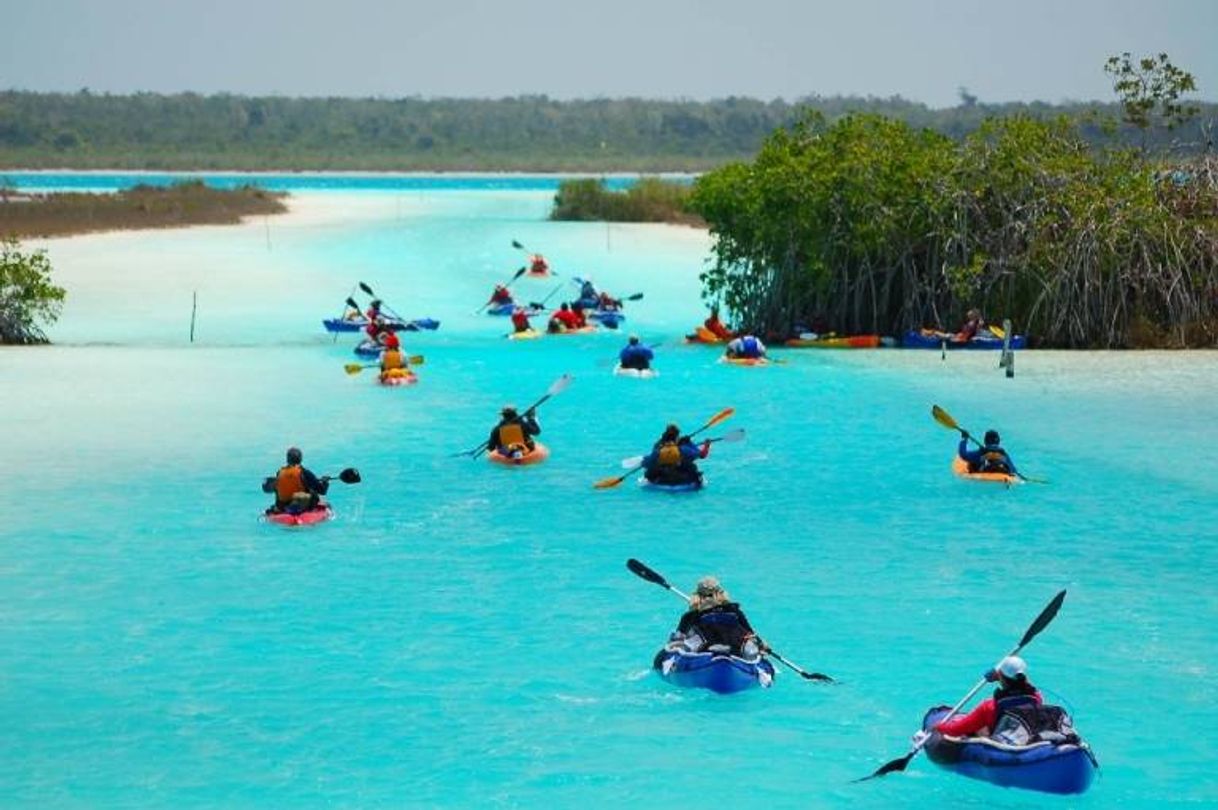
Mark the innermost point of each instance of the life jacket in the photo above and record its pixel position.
(288, 482)
(501, 296)
(520, 320)
(391, 359)
(1027, 724)
(668, 455)
(749, 347)
(511, 436)
(539, 265)
(721, 625)
(994, 460)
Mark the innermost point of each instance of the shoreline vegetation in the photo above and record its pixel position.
(648, 200)
(191, 132)
(24, 215)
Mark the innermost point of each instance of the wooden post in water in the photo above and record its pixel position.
(1007, 360)
(194, 307)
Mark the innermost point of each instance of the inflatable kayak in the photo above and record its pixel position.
(583, 330)
(398, 377)
(528, 334)
(929, 339)
(321, 513)
(717, 672)
(340, 325)
(500, 309)
(692, 486)
(746, 361)
(851, 342)
(641, 373)
(609, 318)
(703, 335)
(538, 454)
(960, 468)
(1067, 767)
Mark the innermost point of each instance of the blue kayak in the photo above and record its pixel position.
(915, 339)
(500, 309)
(368, 350)
(608, 318)
(340, 325)
(692, 486)
(1047, 767)
(714, 671)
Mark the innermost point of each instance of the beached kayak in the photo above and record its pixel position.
(718, 672)
(641, 373)
(1063, 767)
(392, 379)
(340, 325)
(746, 361)
(323, 512)
(703, 335)
(927, 339)
(960, 468)
(538, 454)
(528, 334)
(692, 486)
(850, 342)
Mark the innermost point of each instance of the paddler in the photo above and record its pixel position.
(989, 458)
(520, 320)
(716, 326)
(673, 460)
(635, 355)
(747, 347)
(713, 619)
(564, 319)
(972, 326)
(393, 360)
(513, 436)
(607, 303)
(296, 489)
(500, 296)
(1014, 692)
(538, 266)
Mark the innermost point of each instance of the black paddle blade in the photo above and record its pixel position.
(349, 476)
(638, 569)
(351, 303)
(367, 289)
(1042, 621)
(519, 273)
(817, 676)
(897, 764)
(517, 245)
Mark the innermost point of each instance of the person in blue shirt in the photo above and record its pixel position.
(674, 459)
(747, 347)
(635, 355)
(989, 458)
(589, 298)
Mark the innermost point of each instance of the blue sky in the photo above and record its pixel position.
(1015, 50)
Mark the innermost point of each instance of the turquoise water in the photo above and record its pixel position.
(466, 634)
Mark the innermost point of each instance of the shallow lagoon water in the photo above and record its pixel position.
(463, 633)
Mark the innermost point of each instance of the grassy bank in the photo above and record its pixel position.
(190, 203)
(649, 200)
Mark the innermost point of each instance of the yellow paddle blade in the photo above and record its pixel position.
(353, 368)
(998, 332)
(609, 483)
(415, 359)
(943, 418)
(723, 415)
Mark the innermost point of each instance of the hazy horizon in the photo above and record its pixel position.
(680, 50)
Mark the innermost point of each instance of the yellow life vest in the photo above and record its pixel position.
(288, 482)
(392, 358)
(669, 455)
(511, 435)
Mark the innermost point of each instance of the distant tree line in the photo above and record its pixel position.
(190, 131)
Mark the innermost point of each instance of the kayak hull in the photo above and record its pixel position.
(703, 335)
(640, 373)
(725, 674)
(851, 342)
(583, 330)
(528, 334)
(538, 454)
(398, 380)
(692, 486)
(1044, 767)
(309, 518)
(610, 319)
(916, 339)
(960, 468)
(500, 309)
(340, 325)
(745, 361)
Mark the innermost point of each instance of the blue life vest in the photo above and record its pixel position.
(749, 347)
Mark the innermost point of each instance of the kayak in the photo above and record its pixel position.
(850, 342)
(391, 379)
(746, 361)
(340, 325)
(1065, 768)
(368, 349)
(960, 468)
(929, 339)
(538, 454)
(641, 373)
(714, 671)
(321, 513)
(500, 309)
(703, 335)
(692, 486)
(583, 330)
(608, 318)
(528, 334)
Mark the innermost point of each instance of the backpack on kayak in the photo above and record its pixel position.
(1030, 724)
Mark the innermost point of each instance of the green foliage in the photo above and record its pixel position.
(1150, 90)
(28, 299)
(874, 226)
(189, 131)
(649, 200)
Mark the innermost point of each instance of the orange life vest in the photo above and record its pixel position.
(289, 481)
(392, 358)
(669, 455)
(511, 435)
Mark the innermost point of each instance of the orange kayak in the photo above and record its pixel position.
(703, 335)
(850, 342)
(538, 454)
(960, 468)
(398, 376)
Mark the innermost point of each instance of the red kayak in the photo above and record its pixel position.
(321, 513)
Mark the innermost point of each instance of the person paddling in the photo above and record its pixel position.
(607, 303)
(538, 266)
(393, 359)
(716, 327)
(1014, 692)
(513, 436)
(500, 296)
(296, 489)
(673, 459)
(520, 320)
(717, 624)
(589, 298)
(564, 319)
(635, 355)
(989, 458)
(972, 326)
(747, 347)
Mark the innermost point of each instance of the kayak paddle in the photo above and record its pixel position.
(556, 388)
(356, 368)
(517, 275)
(610, 483)
(384, 306)
(347, 476)
(944, 418)
(736, 435)
(640, 570)
(1041, 622)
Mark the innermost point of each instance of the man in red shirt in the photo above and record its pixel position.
(520, 320)
(564, 320)
(1014, 689)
